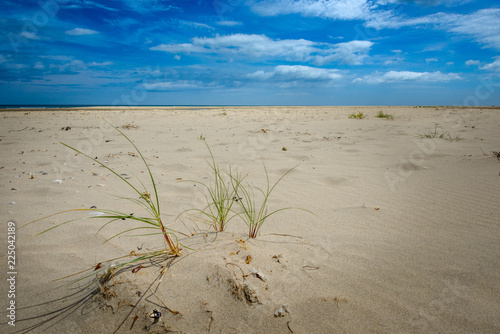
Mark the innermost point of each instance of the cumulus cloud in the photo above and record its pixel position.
(258, 46)
(297, 72)
(483, 25)
(2, 59)
(81, 32)
(105, 63)
(229, 23)
(192, 24)
(353, 53)
(29, 35)
(407, 76)
(57, 57)
(173, 85)
(329, 9)
(448, 3)
(286, 76)
(39, 66)
(72, 66)
(494, 66)
(472, 62)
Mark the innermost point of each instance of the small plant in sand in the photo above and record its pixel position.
(497, 154)
(221, 195)
(144, 200)
(442, 135)
(359, 115)
(255, 212)
(386, 116)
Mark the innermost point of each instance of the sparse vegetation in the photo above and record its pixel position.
(386, 116)
(152, 222)
(255, 213)
(442, 135)
(359, 115)
(221, 195)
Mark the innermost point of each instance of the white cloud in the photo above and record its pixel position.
(430, 60)
(353, 52)
(39, 66)
(81, 32)
(16, 66)
(257, 46)
(173, 85)
(229, 23)
(392, 61)
(193, 25)
(404, 76)
(177, 57)
(78, 4)
(427, 3)
(29, 35)
(297, 72)
(73, 66)
(494, 66)
(472, 62)
(106, 63)
(297, 75)
(483, 25)
(329, 9)
(61, 58)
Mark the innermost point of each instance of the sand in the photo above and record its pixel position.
(406, 236)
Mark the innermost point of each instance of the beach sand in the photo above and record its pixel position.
(405, 236)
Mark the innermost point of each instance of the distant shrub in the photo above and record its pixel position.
(359, 115)
(386, 116)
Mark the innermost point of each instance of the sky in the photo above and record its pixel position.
(250, 52)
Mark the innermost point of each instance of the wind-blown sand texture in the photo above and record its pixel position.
(427, 261)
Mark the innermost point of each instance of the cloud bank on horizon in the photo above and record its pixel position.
(282, 52)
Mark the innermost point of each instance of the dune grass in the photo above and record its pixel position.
(255, 212)
(253, 202)
(359, 115)
(144, 200)
(381, 114)
(442, 135)
(221, 195)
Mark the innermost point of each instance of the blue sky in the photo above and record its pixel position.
(250, 52)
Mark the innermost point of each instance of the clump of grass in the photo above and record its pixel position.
(221, 195)
(145, 201)
(255, 213)
(359, 115)
(442, 135)
(386, 116)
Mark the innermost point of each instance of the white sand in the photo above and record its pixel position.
(426, 262)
